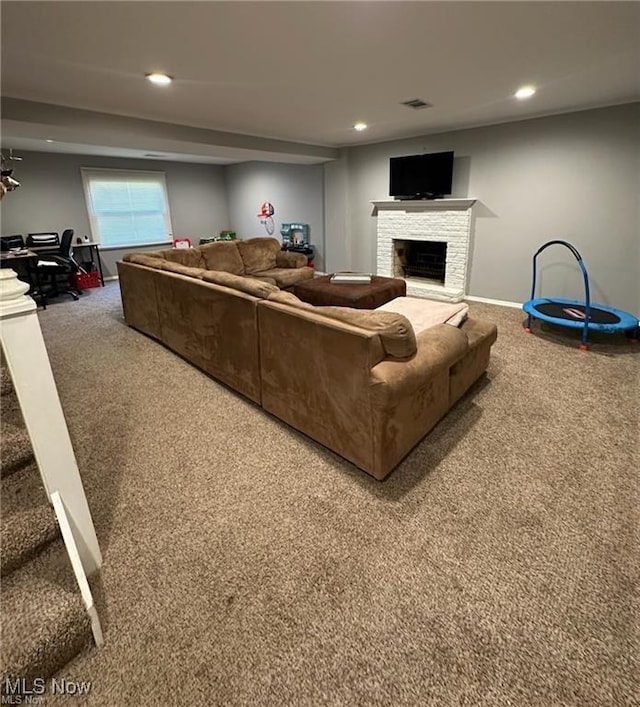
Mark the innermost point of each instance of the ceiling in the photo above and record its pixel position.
(297, 75)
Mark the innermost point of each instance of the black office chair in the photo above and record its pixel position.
(49, 239)
(9, 242)
(59, 263)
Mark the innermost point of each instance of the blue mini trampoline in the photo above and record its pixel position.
(575, 314)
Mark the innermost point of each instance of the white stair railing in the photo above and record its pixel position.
(28, 364)
(76, 565)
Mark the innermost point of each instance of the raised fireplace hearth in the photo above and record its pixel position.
(426, 242)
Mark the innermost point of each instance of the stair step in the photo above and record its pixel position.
(22, 489)
(27, 519)
(16, 451)
(24, 534)
(8, 398)
(6, 385)
(44, 620)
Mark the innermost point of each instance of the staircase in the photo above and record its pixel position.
(44, 619)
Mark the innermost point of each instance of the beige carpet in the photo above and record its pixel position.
(244, 564)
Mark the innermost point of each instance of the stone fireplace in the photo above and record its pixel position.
(427, 243)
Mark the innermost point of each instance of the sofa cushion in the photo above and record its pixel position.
(182, 269)
(288, 298)
(395, 331)
(286, 277)
(191, 257)
(222, 256)
(263, 278)
(142, 259)
(258, 254)
(285, 259)
(250, 286)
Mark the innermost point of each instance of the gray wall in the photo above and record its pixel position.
(574, 177)
(336, 215)
(51, 197)
(296, 192)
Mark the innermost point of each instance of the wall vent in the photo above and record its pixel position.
(416, 103)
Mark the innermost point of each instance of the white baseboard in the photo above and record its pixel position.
(111, 277)
(499, 302)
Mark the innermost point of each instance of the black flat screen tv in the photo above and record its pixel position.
(426, 176)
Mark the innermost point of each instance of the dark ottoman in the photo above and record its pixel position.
(324, 293)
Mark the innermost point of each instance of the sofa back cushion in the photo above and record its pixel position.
(151, 261)
(222, 255)
(258, 254)
(189, 257)
(182, 269)
(395, 331)
(250, 286)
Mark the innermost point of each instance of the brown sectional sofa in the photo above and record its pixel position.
(358, 381)
(256, 258)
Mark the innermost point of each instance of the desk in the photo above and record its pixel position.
(8, 260)
(94, 253)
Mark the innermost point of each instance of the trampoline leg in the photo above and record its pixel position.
(527, 327)
(584, 346)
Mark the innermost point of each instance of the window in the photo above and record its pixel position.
(127, 208)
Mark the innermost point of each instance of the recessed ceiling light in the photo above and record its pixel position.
(48, 140)
(360, 127)
(159, 79)
(525, 92)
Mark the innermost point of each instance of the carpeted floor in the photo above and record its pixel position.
(244, 564)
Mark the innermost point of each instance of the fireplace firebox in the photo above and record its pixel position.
(422, 259)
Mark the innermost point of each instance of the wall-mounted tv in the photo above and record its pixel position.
(426, 176)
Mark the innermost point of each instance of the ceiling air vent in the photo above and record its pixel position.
(416, 103)
(152, 154)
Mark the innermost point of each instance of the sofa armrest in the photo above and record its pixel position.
(285, 259)
(438, 348)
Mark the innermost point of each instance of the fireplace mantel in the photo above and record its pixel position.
(436, 220)
(424, 204)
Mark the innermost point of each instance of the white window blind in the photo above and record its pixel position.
(126, 207)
